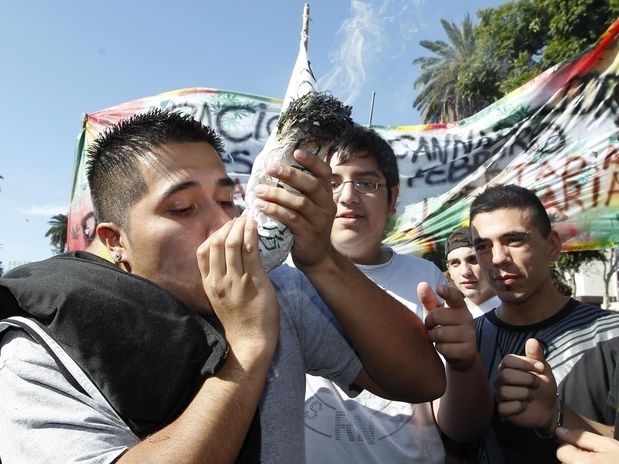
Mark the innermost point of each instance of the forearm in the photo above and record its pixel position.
(391, 341)
(573, 420)
(465, 409)
(214, 425)
(564, 416)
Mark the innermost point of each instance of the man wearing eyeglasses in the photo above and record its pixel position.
(367, 428)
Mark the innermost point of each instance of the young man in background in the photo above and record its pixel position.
(368, 428)
(466, 274)
(516, 245)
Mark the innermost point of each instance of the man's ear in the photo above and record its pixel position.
(555, 245)
(110, 235)
(395, 192)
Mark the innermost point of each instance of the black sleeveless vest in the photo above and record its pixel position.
(144, 350)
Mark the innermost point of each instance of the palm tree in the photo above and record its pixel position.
(57, 233)
(451, 82)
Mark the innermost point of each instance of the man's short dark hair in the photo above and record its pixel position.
(359, 139)
(113, 165)
(499, 197)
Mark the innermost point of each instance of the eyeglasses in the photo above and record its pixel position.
(361, 186)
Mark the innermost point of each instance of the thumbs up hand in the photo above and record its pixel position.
(526, 390)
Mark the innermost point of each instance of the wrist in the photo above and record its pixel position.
(557, 420)
(327, 263)
(464, 366)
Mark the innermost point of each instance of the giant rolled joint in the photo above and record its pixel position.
(311, 122)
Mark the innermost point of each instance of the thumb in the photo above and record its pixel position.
(427, 297)
(533, 349)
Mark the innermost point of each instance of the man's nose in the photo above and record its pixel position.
(500, 253)
(467, 270)
(216, 218)
(348, 192)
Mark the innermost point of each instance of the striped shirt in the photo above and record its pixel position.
(580, 341)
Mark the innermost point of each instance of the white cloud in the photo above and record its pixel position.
(44, 210)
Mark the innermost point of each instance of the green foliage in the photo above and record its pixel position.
(526, 37)
(569, 264)
(57, 233)
(575, 26)
(573, 261)
(510, 45)
(456, 82)
(513, 35)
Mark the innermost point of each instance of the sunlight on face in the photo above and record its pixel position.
(512, 252)
(467, 276)
(361, 216)
(189, 197)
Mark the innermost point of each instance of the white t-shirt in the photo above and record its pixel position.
(484, 307)
(368, 428)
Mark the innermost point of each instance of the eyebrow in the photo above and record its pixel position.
(508, 234)
(363, 174)
(223, 182)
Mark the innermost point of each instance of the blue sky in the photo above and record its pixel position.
(63, 59)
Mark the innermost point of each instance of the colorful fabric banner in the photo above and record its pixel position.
(556, 135)
(244, 121)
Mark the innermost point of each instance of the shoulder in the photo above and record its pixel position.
(485, 323)
(583, 328)
(47, 410)
(415, 262)
(17, 346)
(491, 303)
(33, 361)
(285, 273)
(409, 270)
(581, 314)
(298, 299)
(25, 362)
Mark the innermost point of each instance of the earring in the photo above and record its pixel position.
(118, 256)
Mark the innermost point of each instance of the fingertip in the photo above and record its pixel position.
(273, 169)
(423, 288)
(300, 154)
